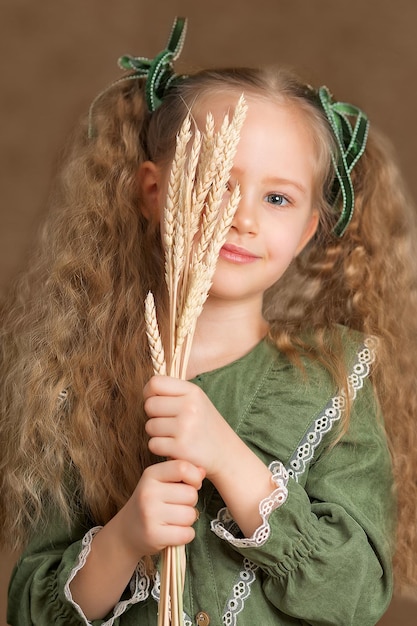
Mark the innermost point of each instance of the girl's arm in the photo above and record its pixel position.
(73, 576)
(326, 557)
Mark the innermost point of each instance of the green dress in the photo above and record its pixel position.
(322, 555)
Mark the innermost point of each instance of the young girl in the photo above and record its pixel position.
(278, 478)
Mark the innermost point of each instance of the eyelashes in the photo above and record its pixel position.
(277, 199)
(274, 198)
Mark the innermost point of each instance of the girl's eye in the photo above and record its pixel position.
(277, 199)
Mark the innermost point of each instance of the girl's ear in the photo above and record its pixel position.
(150, 186)
(309, 231)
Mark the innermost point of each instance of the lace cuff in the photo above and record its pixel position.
(139, 584)
(226, 528)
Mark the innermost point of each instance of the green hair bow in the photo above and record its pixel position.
(351, 141)
(158, 71)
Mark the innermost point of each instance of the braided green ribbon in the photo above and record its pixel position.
(351, 140)
(158, 71)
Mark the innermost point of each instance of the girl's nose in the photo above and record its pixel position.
(245, 219)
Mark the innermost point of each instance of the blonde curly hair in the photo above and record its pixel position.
(74, 355)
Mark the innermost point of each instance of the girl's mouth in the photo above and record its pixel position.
(235, 254)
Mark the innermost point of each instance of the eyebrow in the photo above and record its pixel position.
(275, 180)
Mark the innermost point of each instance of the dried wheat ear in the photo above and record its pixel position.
(195, 225)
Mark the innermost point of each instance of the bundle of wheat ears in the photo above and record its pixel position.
(195, 226)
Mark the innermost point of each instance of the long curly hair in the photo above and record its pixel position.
(74, 356)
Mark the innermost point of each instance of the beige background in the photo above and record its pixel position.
(56, 55)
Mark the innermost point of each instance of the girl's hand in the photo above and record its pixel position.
(184, 424)
(161, 510)
(159, 513)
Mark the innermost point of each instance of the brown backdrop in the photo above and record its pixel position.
(55, 56)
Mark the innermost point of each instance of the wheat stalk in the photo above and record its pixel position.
(194, 229)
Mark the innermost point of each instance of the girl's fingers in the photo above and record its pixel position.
(165, 386)
(180, 493)
(168, 493)
(179, 515)
(178, 471)
(163, 406)
(175, 536)
(161, 427)
(161, 446)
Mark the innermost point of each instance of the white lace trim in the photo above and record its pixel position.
(139, 584)
(333, 411)
(241, 591)
(224, 525)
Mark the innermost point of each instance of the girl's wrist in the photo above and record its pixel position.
(243, 483)
(129, 549)
(108, 568)
(226, 456)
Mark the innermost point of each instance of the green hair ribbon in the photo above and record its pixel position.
(351, 141)
(159, 72)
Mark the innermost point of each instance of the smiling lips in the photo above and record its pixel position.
(235, 254)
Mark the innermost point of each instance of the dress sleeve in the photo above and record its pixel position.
(39, 587)
(326, 558)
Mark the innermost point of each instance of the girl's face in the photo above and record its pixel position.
(275, 167)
